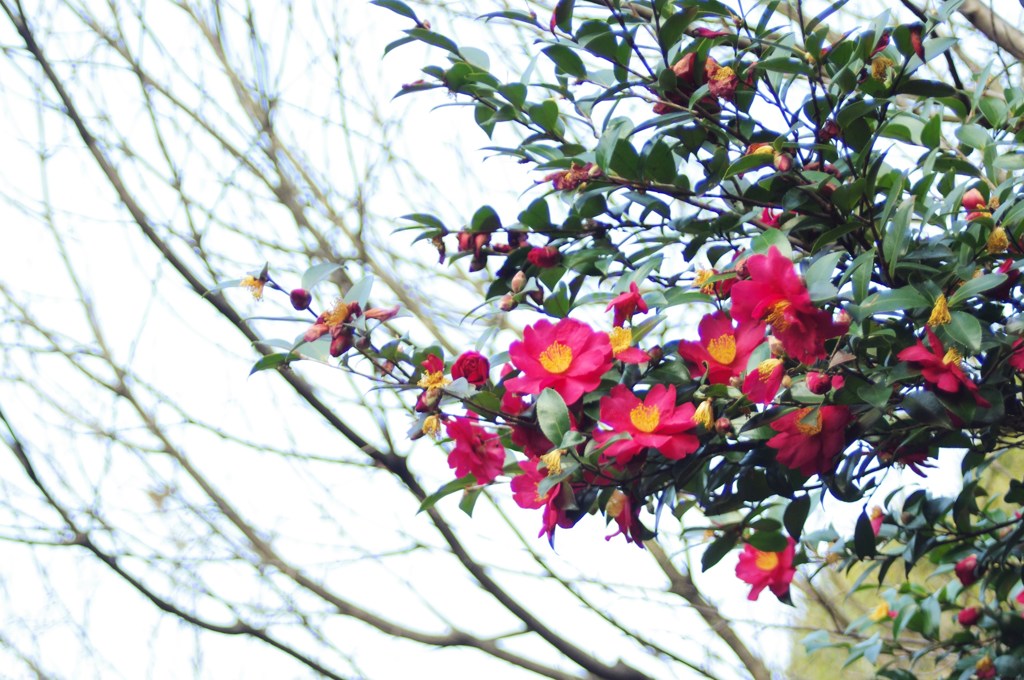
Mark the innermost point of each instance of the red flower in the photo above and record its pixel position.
(771, 218)
(941, 368)
(655, 422)
(709, 33)
(762, 384)
(817, 383)
(544, 258)
(569, 357)
(722, 80)
(477, 452)
(472, 366)
(573, 178)
(524, 487)
(775, 293)
(809, 439)
(966, 570)
(772, 570)
(1017, 358)
(723, 351)
(877, 517)
(626, 513)
(968, 616)
(626, 305)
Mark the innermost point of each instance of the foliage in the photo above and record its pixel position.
(846, 229)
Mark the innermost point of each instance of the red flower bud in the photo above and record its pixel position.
(965, 570)
(480, 239)
(723, 425)
(968, 616)
(341, 342)
(819, 383)
(915, 40)
(973, 200)
(518, 282)
(472, 366)
(465, 239)
(783, 162)
(300, 298)
(829, 131)
(517, 238)
(545, 257)
(537, 296)
(508, 303)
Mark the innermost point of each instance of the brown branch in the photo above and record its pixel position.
(994, 27)
(682, 585)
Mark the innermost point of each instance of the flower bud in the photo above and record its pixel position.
(341, 342)
(775, 345)
(656, 353)
(829, 131)
(966, 570)
(508, 303)
(968, 616)
(973, 200)
(300, 298)
(518, 282)
(723, 425)
(480, 239)
(544, 258)
(787, 382)
(465, 239)
(819, 383)
(783, 162)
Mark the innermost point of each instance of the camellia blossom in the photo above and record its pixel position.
(626, 513)
(472, 366)
(569, 357)
(544, 258)
(627, 304)
(940, 367)
(763, 383)
(621, 339)
(525, 490)
(723, 349)
(772, 570)
(654, 422)
(809, 439)
(477, 452)
(776, 294)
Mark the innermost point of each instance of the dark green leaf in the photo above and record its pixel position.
(718, 549)
(864, 537)
(796, 515)
(275, 360)
(566, 60)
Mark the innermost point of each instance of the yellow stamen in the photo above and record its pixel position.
(645, 418)
(615, 505)
(766, 150)
(556, 358)
(997, 241)
(431, 426)
(880, 66)
(704, 415)
(433, 381)
(553, 461)
(700, 281)
(724, 73)
(723, 348)
(254, 285)
(952, 357)
(766, 368)
(880, 613)
(766, 561)
(940, 312)
(877, 512)
(338, 314)
(808, 429)
(776, 316)
(621, 338)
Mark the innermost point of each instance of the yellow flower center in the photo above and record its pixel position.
(433, 381)
(952, 357)
(553, 461)
(776, 316)
(880, 66)
(700, 280)
(880, 613)
(645, 418)
(724, 73)
(804, 425)
(766, 150)
(704, 415)
(615, 505)
(766, 368)
(940, 312)
(254, 285)
(766, 561)
(556, 358)
(338, 314)
(997, 241)
(723, 348)
(431, 425)
(621, 338)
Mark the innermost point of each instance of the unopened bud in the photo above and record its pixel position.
(787, 382)
(508, 303)
(518, 282)
(775, 345)
(340, 343)
(465, 239)
(723, 425)
(656, 353)
(300, 298)
(819, 383)
(783, 162)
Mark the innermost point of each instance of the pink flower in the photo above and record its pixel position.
(525, 486)
(569, 357)
(1017, 357)
(775, 293)
(969, 616)
(772, 570)
(544, 258)
(819, 383)
(477, 452)
(626, 513)
(771, 218)
(940, 368)
(810, 438)
(967, 570)
(655, 422)
(763, 383)
(627, 304)
(723, 350)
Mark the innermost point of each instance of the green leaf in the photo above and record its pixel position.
(819, 277)
(435, 39)
(318, 273)
(768, 541)
(360, 291)
(764, 241)
(275, 360)
(898, 234)
(544, 114)
(447, 490)
(925, 88)
(796, 515)
(975, 286)
(563, 14)
(468, 500)
(973, 135)
(900, 299)
(397, 7)
(1011, 161)
(965, 329)
(747, 163)
(718, 549)
(552, 415)
(615, 130)
(864, 537)
(485, 219)
(566, 60)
